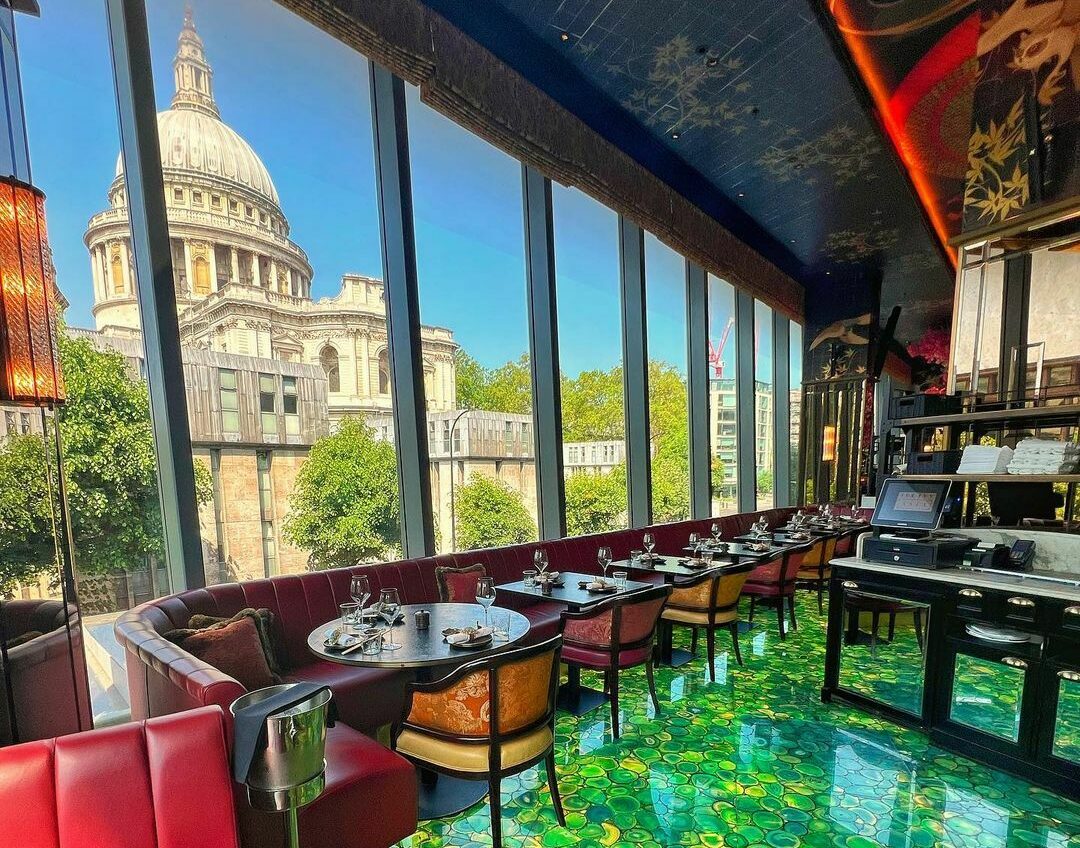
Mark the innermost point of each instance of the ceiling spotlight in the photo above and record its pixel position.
(828, 273)
(792, 241)
(564, 36)
(675, 135)
(742, 194)
(712, 62)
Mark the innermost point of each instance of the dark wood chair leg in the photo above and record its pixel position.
(734, 628)
(780, 616)
(753, 602)
(892, 626)
(693, 641)
(791, 606)
(495, 801)
(710, 645)
(875, 622)
(553, 787)
(821, 597)
(614, 673)
(652, 685)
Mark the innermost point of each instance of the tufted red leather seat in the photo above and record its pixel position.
(163, 783)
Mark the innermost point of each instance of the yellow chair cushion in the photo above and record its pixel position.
(472, 757)
(697, 616)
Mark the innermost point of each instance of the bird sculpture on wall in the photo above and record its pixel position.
(849, 331)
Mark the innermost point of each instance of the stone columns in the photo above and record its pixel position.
(234, 262)
(275, 285)
(95, 272)
(125, 265)
(212, 258)
(363, 366)
(190, 286)
(256, 271)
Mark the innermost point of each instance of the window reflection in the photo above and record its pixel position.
(764, 448)
(723, 425)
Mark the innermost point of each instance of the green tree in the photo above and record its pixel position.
(344, 506)
(503, 389)
(596, 503)
(765, 481)
(110, 472)
(592, 406)
(489, 513)
(670, 435)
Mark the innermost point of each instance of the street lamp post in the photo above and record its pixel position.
(453, 513)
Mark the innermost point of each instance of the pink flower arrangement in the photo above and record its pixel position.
(932, 347)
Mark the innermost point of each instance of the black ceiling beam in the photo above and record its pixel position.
(493, 27)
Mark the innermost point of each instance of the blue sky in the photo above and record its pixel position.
(300, 98)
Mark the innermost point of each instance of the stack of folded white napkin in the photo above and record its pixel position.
(985, 459)
(1044, 456)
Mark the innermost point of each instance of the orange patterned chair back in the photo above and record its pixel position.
(497, 696)
(700, 595)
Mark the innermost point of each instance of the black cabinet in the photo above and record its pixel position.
(899, 645)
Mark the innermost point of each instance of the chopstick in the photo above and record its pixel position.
(363, 642)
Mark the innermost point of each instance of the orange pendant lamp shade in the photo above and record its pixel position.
(828, 443)
(28, 350)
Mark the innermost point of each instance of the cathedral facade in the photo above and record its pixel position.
(242, 285)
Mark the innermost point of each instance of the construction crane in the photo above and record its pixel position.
(716, 354)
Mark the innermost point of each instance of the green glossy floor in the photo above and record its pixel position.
(756, 759)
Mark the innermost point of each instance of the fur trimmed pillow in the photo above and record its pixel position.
(233, 648)
(263, 619)
(458, 585)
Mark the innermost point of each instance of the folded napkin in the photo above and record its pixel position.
(468, 635)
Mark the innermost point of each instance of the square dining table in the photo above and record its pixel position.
(741, 550)
(573, 697)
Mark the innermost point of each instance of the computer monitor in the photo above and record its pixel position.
(910, 504)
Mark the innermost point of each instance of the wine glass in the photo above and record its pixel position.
(485, 596)
(603, 556)
(695, 543)
(715, 531)
(540, 560)
(649, 541)
(389, 604)
(360, 591)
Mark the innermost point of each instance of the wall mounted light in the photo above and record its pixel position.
(828, 443)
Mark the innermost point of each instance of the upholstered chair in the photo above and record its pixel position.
(458, 585)
(772, 583)
(815, 569)
(708, 601)
(613, 636)
(486, 720)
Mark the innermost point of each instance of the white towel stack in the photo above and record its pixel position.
(1044, 456)
(984, 459)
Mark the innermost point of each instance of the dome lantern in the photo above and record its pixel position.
(191, 72)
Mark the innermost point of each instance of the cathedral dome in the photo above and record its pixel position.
(200, 143)
(191, 134)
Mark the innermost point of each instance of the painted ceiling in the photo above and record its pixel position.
(745, 100)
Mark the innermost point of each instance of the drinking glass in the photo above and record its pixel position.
(620, 579)
(603, 556)
(390, 603)
(715, 531)
(485, 596)
(707, 557)
(529, 575)
(695, 543)
(540, 560)
(501, 633)
(649, 542)
(349, 621)
(360, 591)
(372, 646)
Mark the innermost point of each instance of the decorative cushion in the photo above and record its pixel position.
(686, 616)
(263, 619)
(594, 658)
(458, 585)
(595, 630)
(234, 649)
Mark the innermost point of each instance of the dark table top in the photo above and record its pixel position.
(778, 536)
(570, 593)
(425, 648)
(671, 567)
(739, 549)
(819, 530)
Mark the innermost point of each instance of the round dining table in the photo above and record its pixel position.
(430, 656)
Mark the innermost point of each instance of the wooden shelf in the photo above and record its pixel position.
(1007, 416)
(996, 478)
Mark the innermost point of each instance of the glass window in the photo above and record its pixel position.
(763, 405)
(795, 369)
(977, 328)
(118, 551)
(268, 404)
(275, 133)
(230, 405)
(470, 256)
(590, 356)
(1053, 340)
(665, 296)
(722, 396)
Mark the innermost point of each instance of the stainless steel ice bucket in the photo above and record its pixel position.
(295, 742)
